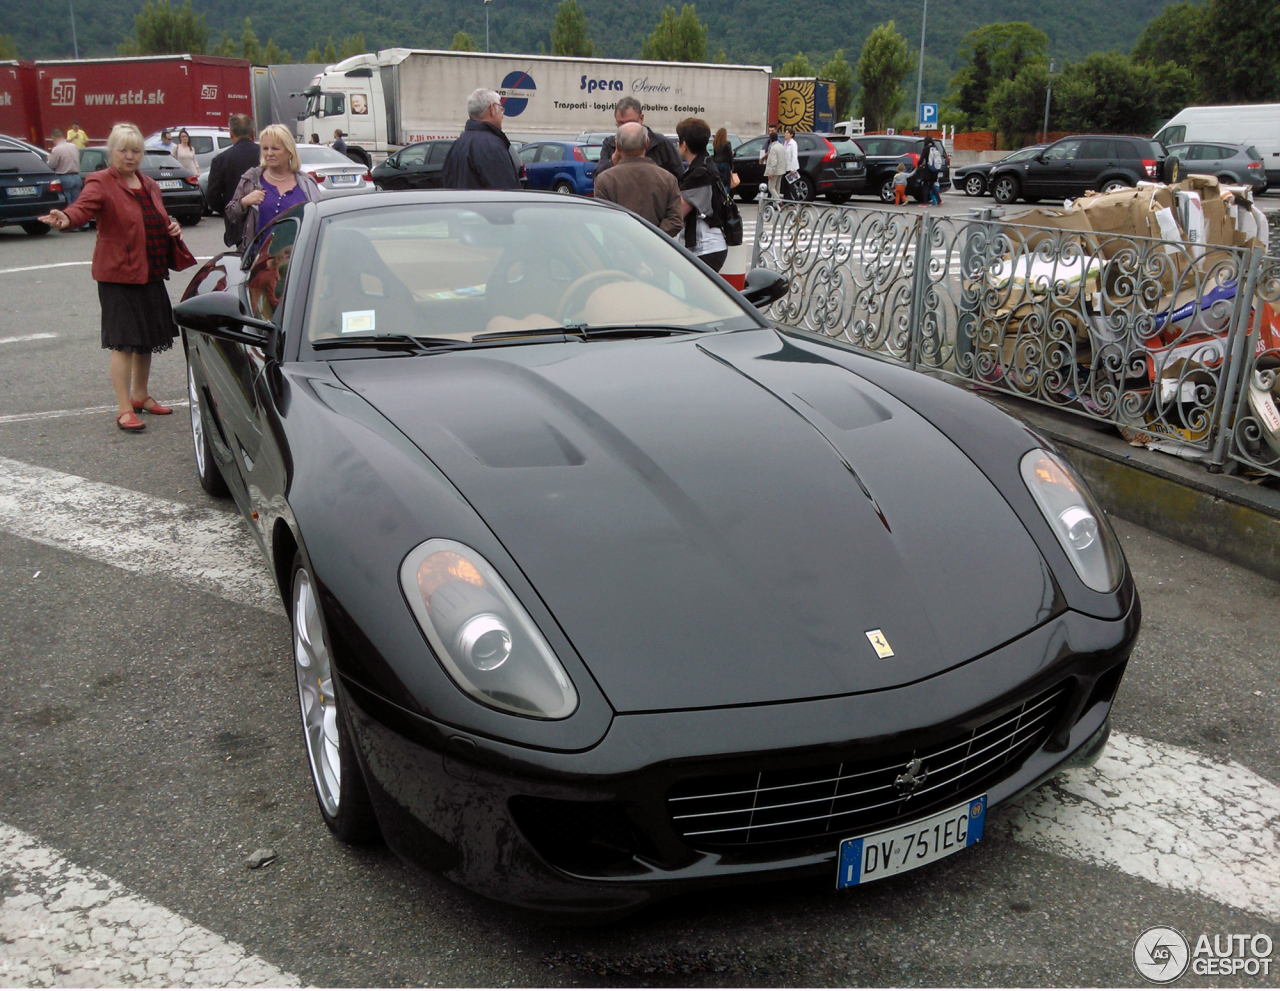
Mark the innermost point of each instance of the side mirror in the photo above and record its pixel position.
(220, 314)
(762, 286)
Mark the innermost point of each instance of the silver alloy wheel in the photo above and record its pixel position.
(315, 694)
(563, 187)
(973, 185)
(1114, 185)
(197, 424)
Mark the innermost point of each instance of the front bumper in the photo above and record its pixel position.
(484, 813)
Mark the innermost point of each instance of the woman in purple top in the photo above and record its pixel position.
(265, 192)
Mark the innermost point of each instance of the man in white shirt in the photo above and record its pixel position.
(793, 158)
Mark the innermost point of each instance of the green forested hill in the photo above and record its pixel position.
(750, 31)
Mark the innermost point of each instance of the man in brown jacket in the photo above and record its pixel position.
(638, 183)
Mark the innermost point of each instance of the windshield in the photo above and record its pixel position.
(843, 146)
(321, 155)
(460, 271)
(1024, 154)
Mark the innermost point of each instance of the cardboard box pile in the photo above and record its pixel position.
(1145, 320)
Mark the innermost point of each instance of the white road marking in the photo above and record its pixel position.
(65, 926)
(1149, 809)
(1168, 815)
(200, 548)
(41, 268)
(27, 337)
(56, 414)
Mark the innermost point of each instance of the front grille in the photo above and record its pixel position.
(740, 810)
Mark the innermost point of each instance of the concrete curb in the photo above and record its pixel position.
(1225, 515)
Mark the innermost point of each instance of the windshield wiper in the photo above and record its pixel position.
(417, 344)
(575, 330)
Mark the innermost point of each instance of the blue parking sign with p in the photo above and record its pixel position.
(928, 115)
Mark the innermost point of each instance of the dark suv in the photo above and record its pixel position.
(1072, 166)
(885, 152)
(830, 164)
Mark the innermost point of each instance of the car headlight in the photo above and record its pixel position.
(482, 635)
(1078, 523)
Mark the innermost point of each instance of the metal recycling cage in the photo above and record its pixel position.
(1144, 334)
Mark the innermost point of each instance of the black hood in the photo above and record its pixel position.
(722, 520)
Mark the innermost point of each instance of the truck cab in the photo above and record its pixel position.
(348, 96)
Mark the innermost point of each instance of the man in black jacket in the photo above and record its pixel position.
(661, 150)
(481, 157)
(228, 166)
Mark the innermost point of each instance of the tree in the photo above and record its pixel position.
(226, 47)
(462, 42)
(883, 64)
(162, 29)
(1173, 35)
(1016, 106)
(569, 31)
(1107, 92)
(677, 38)
(8, 50)
(992, 55)
(249, 45)
(275, 55)
(840, 72)
(1238, 60)
(352, 44)
(797, 65)
(330, 52)
(314, 55)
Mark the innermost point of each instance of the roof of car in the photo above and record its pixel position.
(400, 198)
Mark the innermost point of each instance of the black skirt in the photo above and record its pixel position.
(136, 319)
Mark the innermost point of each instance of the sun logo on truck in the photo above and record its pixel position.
(517, 87)
(795, 103)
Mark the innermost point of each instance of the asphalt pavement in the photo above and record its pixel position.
(149, 735)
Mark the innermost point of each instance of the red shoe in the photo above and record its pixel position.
(130, 422)
(155, 409)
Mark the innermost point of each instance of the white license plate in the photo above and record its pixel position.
(911, 845)
(170, 183)
(344, 180)
(22, 190)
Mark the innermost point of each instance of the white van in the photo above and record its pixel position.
(1257, 125)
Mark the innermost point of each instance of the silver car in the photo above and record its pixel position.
(335, 174)
(1238, 165)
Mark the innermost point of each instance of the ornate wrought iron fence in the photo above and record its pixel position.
(1255, 430)
(1147, 335)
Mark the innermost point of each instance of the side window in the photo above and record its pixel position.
(528, 154)
(1098, 148)
(1223, 152)
(1063, 151)
(751, 149)
(551, 153)
(270, 268)
(413, 155)
(224, 142)
(335, 104)
(1174, 135)
(806, 143)
(439, 151)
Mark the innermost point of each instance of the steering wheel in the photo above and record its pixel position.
(569, 302)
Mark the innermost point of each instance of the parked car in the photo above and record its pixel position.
(830, 164)
(1239, 165)
(973, 178)
(208, 143)
(561, 166)
(179, 187)
(334, 172)
(885, 152)
(1071, 166)
(1254, 125)
(10, 142)
(415, 166)
(28, 189)
(534, 486)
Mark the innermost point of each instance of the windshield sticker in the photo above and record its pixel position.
(357, 321)
(463, 293)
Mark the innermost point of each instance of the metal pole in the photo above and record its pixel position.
(924, 19)
(1048, 93)
(74, 44)
(486, 26)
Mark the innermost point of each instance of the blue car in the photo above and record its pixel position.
(564, 166)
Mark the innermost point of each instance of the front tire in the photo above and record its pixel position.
(886, 190)
(335, 771)
(975, 185)
(747, 195)
(1115, 184)
(35, 228)
(207, 469)
(1005, 190)
(190, 219)
(563, 188)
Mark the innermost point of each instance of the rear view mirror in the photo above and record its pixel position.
(220, 314)
(763, 286)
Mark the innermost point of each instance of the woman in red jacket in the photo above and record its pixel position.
(130, 265)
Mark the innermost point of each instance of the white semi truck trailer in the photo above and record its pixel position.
(395, 97)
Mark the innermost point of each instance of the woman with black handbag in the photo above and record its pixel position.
(702, 195)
